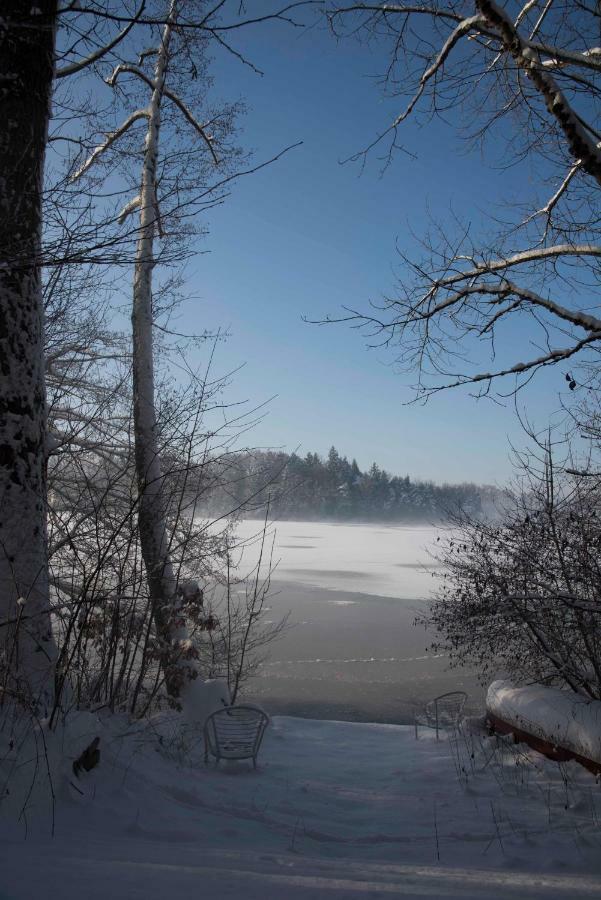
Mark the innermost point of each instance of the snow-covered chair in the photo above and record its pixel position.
(442, 712)
(235, 732)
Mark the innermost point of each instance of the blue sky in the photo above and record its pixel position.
(307, 236)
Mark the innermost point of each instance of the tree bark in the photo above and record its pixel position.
(27, 32)
(154, 537)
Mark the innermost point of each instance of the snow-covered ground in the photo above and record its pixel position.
(335, 810)
(386, 560)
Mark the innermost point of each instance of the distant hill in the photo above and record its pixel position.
(312, 487)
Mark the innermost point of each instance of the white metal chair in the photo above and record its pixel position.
(235, 732)
(442, 712)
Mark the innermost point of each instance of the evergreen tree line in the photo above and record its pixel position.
(312, 487)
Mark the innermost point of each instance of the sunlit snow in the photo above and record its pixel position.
(387, 560)
(335, 810)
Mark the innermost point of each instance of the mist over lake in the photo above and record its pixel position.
(352, 650)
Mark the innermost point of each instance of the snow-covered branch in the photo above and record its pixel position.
(549, 206)
(100, 52)
(503, 290)
(464, 28)
(200, 129)
(130, 207)
(582, 147)
(521, 368)
(110, 140)
(524, 257)
(175, 98)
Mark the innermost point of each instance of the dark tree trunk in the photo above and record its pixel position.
(27, 31)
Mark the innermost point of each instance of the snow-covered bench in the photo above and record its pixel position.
(560, 724)
(442, 712)
(235, 732)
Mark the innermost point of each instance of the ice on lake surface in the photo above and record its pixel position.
(387, 561)
(352, 592)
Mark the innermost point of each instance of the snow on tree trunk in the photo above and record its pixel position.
(151, 515)
(177, 650)
(26, 70)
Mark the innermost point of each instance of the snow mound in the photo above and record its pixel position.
(562, 718)
(203, 698)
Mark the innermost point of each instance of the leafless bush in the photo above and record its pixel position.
(523, 596)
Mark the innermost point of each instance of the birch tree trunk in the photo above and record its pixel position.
(154, 537)
(26, 69)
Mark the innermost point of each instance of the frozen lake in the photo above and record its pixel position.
(351, 592)
(386, 560)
